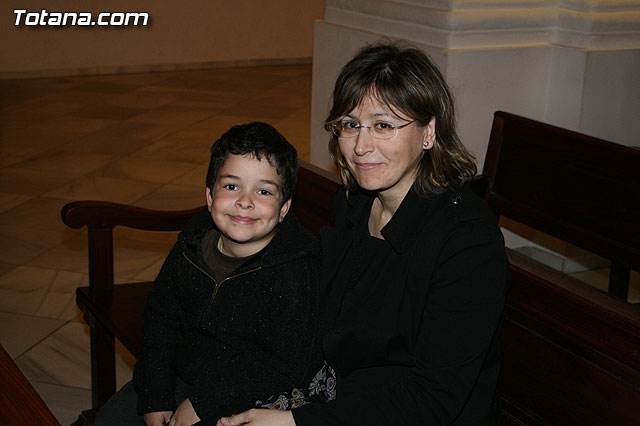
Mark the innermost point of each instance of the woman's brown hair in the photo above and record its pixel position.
(406, 80)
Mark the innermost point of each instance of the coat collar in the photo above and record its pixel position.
(404, 226)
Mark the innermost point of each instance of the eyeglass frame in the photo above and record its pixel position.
(369, 130)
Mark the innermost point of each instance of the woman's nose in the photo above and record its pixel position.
(363, 142)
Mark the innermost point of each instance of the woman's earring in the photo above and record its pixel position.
(425, 144)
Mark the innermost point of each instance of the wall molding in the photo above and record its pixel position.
(477, 24)
(133, 69)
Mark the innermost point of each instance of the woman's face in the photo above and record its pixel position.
(387, 166)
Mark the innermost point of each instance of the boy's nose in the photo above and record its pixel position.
(244, 202)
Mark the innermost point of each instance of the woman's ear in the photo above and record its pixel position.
(429, 134)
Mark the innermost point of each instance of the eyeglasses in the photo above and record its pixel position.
(378, 129)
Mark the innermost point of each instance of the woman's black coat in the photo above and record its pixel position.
(420, 344)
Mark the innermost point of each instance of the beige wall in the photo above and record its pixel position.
(179, 35)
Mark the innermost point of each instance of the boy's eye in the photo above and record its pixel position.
(230, 186)
(264, 192)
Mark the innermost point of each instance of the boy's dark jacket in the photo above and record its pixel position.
(254, 338)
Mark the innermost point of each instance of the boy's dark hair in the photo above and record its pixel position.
(259, 140)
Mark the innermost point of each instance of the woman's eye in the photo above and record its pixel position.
(230, 186)
(264, 192)
(383, 126)
(350, 125)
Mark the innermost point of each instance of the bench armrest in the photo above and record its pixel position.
(107, 215)
(101, 217)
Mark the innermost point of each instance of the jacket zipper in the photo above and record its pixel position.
(218, 284)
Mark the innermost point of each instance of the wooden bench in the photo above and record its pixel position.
(570, 351)
(20, 404)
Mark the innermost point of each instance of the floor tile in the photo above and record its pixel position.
(175, 117)
(24, 181)
(36, 137)
(174, 197)
(191, 149)
(5, 268)
(66, 403)
(36, 213)
(100, 143)
(42, 292)
(70, 163)
(141, 100)
(9, 201)
(130, 257)
(195, 177)
(130, 262)
(213, 127)
(132, 81)
(63, 358)
(150, 132)
(60, 359)
(103, 188)
(11, 154)
(150, 273)
(18, 333)
(20, 245)
(71, 255)
(58, 104)
(79, 126)
(145, 169)
(106, 111)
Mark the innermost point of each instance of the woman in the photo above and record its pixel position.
(414, 265)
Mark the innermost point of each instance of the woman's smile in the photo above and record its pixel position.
(365, 167)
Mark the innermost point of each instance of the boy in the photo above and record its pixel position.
(231, 318)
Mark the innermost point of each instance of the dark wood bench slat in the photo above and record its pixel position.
(20, 404)
(575, 187)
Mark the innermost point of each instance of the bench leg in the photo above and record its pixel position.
(619, 280)
(86, 418)
(103, 366)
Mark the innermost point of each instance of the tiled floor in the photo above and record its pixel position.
(141, 139)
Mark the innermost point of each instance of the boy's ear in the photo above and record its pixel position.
(284, 210)
(209, 197)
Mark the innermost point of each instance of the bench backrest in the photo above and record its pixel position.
(575, 187)
(312, 196)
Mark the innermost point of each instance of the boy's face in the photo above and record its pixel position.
(246, 204)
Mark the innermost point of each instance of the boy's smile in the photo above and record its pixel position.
(246, 204)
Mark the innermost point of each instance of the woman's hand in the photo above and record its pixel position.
(259, 417)
(185, 415)
(157, 418)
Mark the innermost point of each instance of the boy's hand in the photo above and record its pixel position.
(157, 418)
(185, 415)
